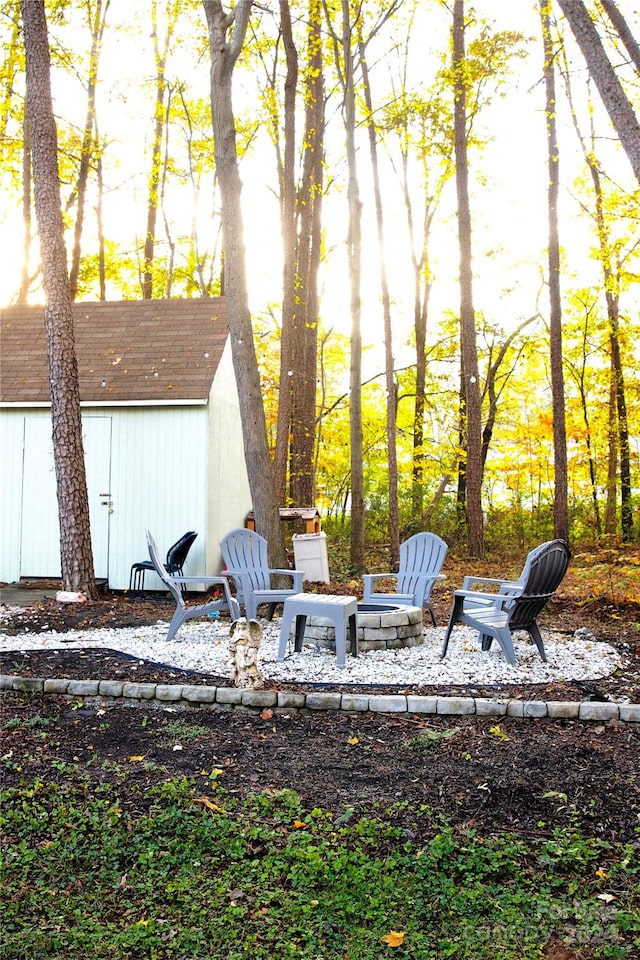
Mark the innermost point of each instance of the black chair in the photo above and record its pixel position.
(176, 559)
(175, 586)
(516, 605)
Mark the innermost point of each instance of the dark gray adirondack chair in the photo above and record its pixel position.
(245, 555)
(421, 559)
(175, 585)
(516, 605)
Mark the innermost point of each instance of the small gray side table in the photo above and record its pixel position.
(339, 609)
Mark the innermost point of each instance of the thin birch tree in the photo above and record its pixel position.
(470, 386)
(344, 55)
(97, 22)
(161, 49)
(391, 387)
(560, 499)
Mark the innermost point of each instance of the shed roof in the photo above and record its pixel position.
(128, 350)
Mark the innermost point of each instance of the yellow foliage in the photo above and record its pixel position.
(395, 938)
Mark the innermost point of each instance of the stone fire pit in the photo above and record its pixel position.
(380, 627)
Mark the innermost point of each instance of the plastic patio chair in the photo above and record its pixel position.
(421, 560)
(516, 605)
(174, 564)
(244, 553)
(174, 586)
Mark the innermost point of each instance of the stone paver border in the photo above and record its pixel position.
(282, 701)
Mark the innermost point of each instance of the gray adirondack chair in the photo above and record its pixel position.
(245, 555)
(175, 584)
(516, 605)
(421, 560)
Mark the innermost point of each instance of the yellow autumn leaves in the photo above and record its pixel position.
(395, 938)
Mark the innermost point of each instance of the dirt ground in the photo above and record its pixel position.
(527, 777)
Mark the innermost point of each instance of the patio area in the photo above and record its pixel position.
(203, 647)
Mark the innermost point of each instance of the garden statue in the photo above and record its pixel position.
(244, 644)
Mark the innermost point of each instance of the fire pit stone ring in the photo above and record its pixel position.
(380, 627)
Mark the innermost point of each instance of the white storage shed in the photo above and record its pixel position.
(161, 430)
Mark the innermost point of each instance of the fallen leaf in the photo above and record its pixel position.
(606, 897)
(498, 732)
(266, 714)
(353, 740)
(602, 874)
(299, 824)
(208, 803)
(136, 759)
(395, 938)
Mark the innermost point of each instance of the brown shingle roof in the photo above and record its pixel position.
(129, 350)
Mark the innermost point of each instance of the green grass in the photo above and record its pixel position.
(189, 875)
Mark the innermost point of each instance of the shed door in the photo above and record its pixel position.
(40, 536)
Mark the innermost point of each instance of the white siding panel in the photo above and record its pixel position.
(11, 447)
(173, 469)
(158, 482)
(228, 493)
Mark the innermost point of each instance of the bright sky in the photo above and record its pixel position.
(508, 207)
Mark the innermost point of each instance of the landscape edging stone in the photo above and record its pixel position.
(234, 698)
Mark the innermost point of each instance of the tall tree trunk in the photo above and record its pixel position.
(491, 390)
(102, 268)
(97, 31)
(623, 31)
(160, 55)
(344, 58)
(73, 504)
(354, 253)
(392, 455)
(611, 506)
(224, 53)
(611, 285)
(468, 345)
(560, 503)
(166, 159)
(288, 228)
(10, 68)
(309, 248)
(618, 424)
(617, 104)
(25, 280)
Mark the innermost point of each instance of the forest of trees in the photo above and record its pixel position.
(424, 215)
